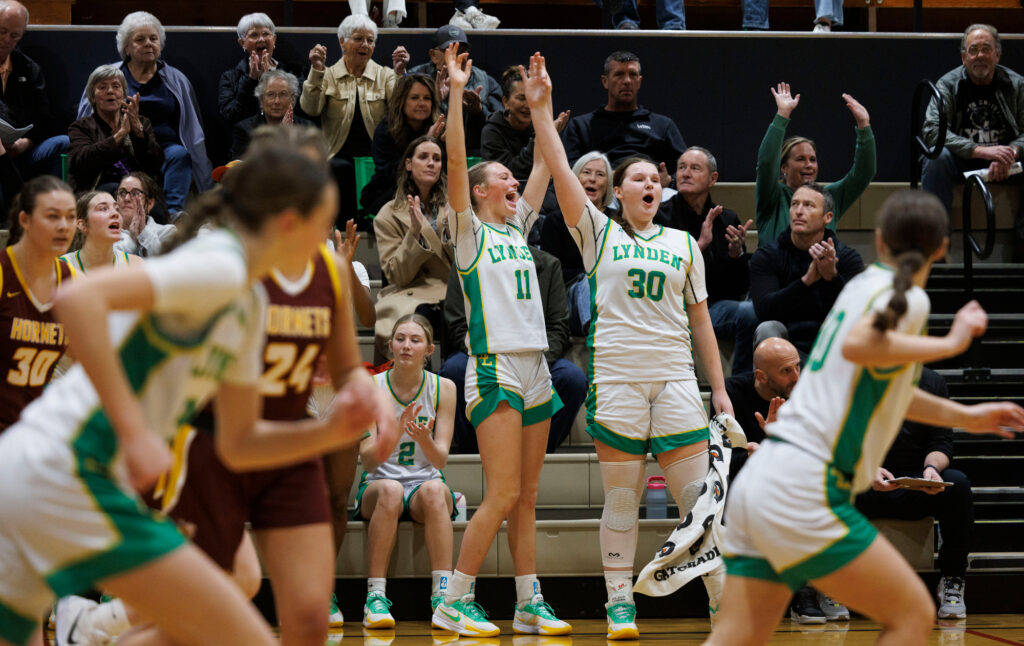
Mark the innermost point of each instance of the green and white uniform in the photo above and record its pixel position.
(798, 523)
(68, 516)
(407, 464)
(643, 390)
(506, 333)
(74, 260)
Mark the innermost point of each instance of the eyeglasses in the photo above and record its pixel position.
(975, 50)
(124, 194)
(270, 96)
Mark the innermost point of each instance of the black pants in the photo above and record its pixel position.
(953, 508)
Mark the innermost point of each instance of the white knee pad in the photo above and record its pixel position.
(685, 479)
(622, 484)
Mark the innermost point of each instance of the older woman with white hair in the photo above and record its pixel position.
(257, 36)
(351, 98)
(276, 93)
(167, 99)
(115, 139)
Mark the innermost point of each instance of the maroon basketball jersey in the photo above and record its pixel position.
(31, 342)
(299, 321)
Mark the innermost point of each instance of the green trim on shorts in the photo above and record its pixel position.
(662, 443)
(599, 431)
(859, 535)
(543, 411)
(140, 534)
(406, 513)
(490, 391)
(749, 567)
(14, 627)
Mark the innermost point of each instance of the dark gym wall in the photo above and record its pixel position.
(715, 87)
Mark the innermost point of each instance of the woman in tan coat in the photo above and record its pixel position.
(415, 254)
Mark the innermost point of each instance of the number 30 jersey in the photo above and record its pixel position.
(407, 462)
(31, 342)
(299, 322)
(639, 289)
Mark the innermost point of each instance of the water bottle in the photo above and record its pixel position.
(460, 506)
(657, 503)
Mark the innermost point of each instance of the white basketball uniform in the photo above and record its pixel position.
(506, 333)
(74, 260)
(69, 515)
(798, 523)
(643, 390)
(407, 464)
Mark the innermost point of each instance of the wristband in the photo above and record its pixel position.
(931, 466)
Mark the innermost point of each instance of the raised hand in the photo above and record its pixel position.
(416, 222)
(969, 322)
(132, 112)
(347, 247)
(562, 120)
(859, 112)
(471, 99)
(737, 237)
(536, 83)
(773, 412)
(666, 179)
(784, 100)
(437, 129)
(707, 227)
(400, 60)
(443, 88)
(1000, 418)
(318, 57)
(458, 65)
(824, 255)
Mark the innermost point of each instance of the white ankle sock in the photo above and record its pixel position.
(439, 582)
(527, 587)
(459, 586)
(110, 617)
(619, 586)
(376, 585)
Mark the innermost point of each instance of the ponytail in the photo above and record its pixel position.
(907, 264)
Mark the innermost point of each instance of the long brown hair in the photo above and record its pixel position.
(913, 227)
(398, 125)
(407, 186)
(82, 215)
(26, 201)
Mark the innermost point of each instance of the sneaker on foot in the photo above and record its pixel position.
(336, 619)
(622, 621)
(459, 20)
(833, 610)
(803, 609)
(479, 20)
(465, 617)
(537, 618)
(376, 611)
(73, 627)
(951, 598)
(435, 600)
(391, 21)
(821, 28)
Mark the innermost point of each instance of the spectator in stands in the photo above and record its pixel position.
(236, 98)
(796, 278)
(482, 97)
(413, 111)
(24, 94)
(984, 115)
(415, 254)
(115, 139)
(507, 136)
(568, 379)
(922, 451)
(722, 241)
(595, 174)
(138, 197)
(351, 98)
(623, 128)
(784, 166)
(670, 15)
(276, 92)
(167, 99)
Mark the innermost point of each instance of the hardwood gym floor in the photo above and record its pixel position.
(978, 630)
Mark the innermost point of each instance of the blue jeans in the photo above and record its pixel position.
(177, 170)
(755, 14)
(578, 297)
(568, 380)
(670, 14)
(831, 9)
(736, 320)
(43, 159)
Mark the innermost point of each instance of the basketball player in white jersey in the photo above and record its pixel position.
(797, 524)
(99, 228)
(648, 297)
(509, 398)
(154, 343)
(409, 483)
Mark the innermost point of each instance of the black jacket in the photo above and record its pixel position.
(235, 98)
(242, 132)
(386, 156)
(915, 440)
(621, 134)
(727, 278)
(776, 288)
(500, 142)
(95, 158)
(26, 99)
(552, 297)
